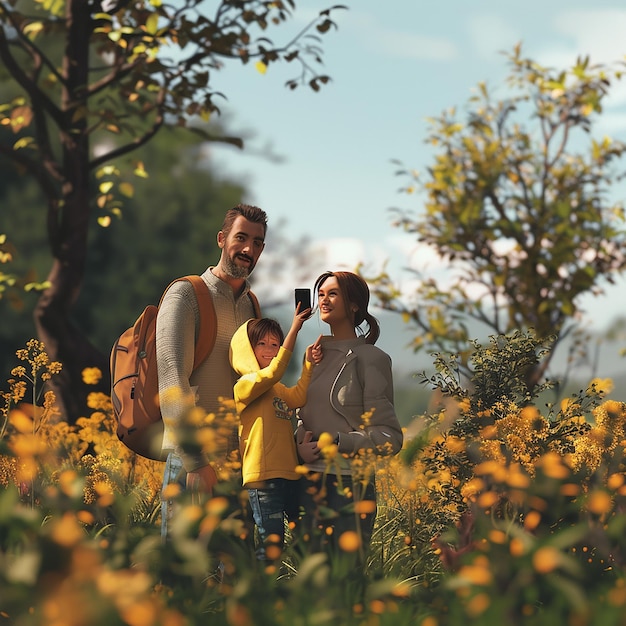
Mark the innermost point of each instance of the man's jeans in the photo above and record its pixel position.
(270, 505)
(174, 474)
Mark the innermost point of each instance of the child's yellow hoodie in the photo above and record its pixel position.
(266, 408)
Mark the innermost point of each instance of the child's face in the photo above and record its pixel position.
(266, 349)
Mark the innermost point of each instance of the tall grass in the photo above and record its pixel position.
(503, 513)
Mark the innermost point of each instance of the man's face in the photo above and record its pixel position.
(241, 248)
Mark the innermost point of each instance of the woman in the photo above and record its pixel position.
(350, 396)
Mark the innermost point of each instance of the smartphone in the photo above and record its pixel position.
(303, 296)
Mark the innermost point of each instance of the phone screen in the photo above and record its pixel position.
(304, 296)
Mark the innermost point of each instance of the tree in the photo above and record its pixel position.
(168, 230)
(518, 205)
(92, 80)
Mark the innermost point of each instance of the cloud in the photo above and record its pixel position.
(610, 123)
(491, 34)
(597, 32)
(399, 44)
(277, 273)
(342, 253)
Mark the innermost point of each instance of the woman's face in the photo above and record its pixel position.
(331, 303)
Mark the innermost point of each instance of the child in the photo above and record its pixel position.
(266, 409)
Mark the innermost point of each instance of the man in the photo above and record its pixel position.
(241, 240)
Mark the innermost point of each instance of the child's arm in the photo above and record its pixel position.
(296, 325)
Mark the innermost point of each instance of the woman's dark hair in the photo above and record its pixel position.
(258, 328)
(251, 213)
(355, 293)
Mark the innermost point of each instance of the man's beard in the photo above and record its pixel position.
(235, 271)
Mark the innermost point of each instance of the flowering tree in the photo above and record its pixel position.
(517, 203)
(91, 80)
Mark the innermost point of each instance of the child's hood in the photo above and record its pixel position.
(242, 357)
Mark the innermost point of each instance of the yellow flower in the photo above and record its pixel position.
(455, 444)
(472, 487)
(517, 478)
(20, 421)
(531, 520)
(364, 507)
(599, 502)
(217, 505)
(141, 613)
(325, 439)
(600, 386)
(530, 413)
(67, 531)
(517, 547)
(569, 406)
(476, 574)
(495, 469)
(615, 481)
(104, 491)
(489, 432)
(478, 604)
(553, 466)
(488, 499)
(69, 483)
(465, 405)
(497, 536)
(546, 559)
(349, 541)
(328, 448)
(91, 375)
(85, 517)
(571, 490)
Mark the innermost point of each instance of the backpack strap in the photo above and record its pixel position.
(207, 331)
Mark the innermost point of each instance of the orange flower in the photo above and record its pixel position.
(599, 502)
(349, 541)
(546, 559)
(363, 507)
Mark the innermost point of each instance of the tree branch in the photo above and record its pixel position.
(137, 142)
(25, 82)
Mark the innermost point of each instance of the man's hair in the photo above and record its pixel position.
(258, 328)
(251, 213)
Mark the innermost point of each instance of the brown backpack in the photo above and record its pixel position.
(134, 376)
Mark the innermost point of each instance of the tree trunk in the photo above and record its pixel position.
(64, 342)
(68, 227)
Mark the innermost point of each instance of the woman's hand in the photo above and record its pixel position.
(314, 352)
(308, 449)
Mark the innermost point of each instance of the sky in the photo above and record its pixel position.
(393, 64)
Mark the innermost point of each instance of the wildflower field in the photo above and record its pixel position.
(507, 512)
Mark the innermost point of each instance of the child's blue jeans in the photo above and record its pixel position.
(276, 501)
